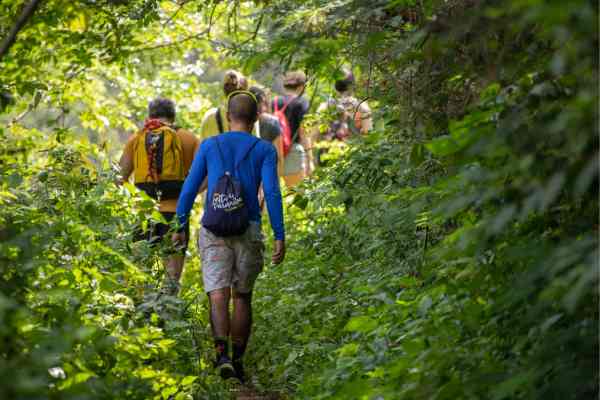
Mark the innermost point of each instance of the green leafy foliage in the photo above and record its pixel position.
(453, 255)
(79, 315)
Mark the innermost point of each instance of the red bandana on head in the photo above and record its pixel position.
(152, 123)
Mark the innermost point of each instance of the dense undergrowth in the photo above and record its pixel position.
(451, 254)
(82, 316)
(455, 254)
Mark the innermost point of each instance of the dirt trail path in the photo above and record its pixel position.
(252, 394)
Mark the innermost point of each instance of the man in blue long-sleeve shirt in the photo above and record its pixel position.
(230, 265)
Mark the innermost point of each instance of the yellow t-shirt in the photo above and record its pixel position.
(209, 126)
(190, 145)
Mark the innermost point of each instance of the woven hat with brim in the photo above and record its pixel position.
(294, 78)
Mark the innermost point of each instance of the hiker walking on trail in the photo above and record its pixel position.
(214, 121)
(346, 115)
(267, 127)
(230, 241)
(290, 109)
(159, 157)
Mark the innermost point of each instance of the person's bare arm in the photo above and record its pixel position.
(278, 144)
(306, 142)
(366, 119)
(278, 252)
(204, 185)
(126, 166)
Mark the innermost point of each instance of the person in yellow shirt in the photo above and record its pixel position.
(161, 115)
(214, 121)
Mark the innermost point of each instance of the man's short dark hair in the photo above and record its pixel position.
(243, 108)
(162, 108)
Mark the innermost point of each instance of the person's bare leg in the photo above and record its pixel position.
(293, 179)
(219, 319)
(174, 269)
(241, 326)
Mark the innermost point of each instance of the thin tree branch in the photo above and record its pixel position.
(36, 101)
(178, 42)
(356, 110)
(11, 38)
(315, 92)
(172, 17)
(210, 19)
(255, 33)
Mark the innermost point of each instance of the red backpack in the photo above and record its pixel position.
(286, 130)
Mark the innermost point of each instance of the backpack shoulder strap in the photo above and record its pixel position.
(216, 139)
(219, 120)
(286, 104)
(166, 128)
(247, 153)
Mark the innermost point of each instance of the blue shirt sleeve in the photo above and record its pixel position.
(273, 193)
(191, 185)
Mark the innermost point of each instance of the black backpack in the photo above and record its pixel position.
(226, 212)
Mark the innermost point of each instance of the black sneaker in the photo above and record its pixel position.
(224, 367)
(238, 366)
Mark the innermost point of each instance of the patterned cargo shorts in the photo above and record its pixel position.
(233, 261)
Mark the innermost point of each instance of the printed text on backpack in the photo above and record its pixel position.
(227, 212)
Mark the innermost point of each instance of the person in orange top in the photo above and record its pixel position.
(161, 114)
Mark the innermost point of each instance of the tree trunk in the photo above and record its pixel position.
(11, 37)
